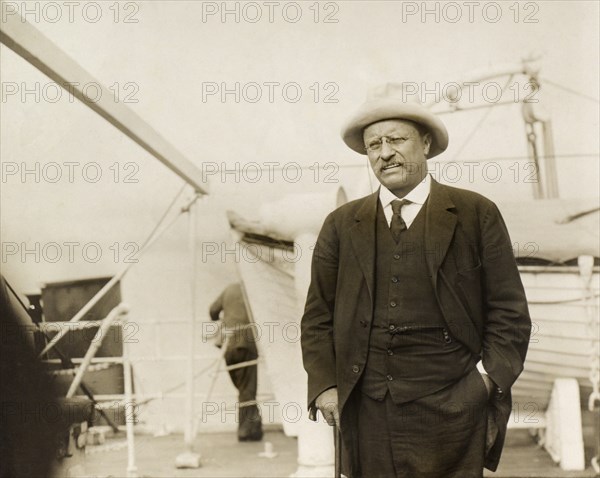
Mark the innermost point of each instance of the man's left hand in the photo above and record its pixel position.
(492, 428)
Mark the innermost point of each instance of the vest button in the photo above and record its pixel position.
(396, 256)
(390, 352)
(393, 304)
(394, 279)
(355, 368)
(392, 327)
(390, 378)
(499, 393)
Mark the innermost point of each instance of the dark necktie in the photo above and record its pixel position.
(398, 225)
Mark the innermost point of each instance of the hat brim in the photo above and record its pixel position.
(385, 109)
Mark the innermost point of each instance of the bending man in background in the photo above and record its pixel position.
(241, 347)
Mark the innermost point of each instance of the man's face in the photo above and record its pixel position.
(397, 153)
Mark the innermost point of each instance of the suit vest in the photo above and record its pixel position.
(411, 352)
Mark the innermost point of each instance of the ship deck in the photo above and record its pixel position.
(223, 456)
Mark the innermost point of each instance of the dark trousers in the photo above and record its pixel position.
(441, 435)
(245, 380)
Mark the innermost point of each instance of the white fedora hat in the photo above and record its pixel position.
(390, 101)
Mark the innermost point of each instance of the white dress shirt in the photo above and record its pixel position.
(417, 198)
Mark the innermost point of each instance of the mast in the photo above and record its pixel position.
(538, 126)
(536, 119)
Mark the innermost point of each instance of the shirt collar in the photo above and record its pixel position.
(417, 196)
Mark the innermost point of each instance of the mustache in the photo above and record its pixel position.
(410, 168)
(390, 165)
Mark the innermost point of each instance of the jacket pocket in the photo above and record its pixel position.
(465, 273)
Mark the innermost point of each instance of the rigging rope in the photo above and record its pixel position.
(479, 123)
(155, 234)
(570, 90)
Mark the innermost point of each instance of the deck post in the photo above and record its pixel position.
(189, 458)
(564, 437)
(129, 410)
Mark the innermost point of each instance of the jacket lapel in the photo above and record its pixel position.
(440, 223)
(362, 235)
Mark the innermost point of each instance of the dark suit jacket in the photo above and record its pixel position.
(477, 285)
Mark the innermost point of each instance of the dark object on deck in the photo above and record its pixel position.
(62, 300)
(77, 341)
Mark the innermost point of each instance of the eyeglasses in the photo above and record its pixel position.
(375, 145)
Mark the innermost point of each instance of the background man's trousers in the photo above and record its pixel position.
(245, 380)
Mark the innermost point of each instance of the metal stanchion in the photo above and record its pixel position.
(129, 407)
(189, 458)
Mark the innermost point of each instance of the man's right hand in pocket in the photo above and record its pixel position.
(327, 402)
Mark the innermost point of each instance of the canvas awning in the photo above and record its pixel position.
(548, 231)
(553, 230)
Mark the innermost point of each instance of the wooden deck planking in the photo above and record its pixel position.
(523, 458)
(223, 456)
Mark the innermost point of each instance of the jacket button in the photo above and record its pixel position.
(390, 378)
(396, 256)
(499, 393)
(394, 279)
(393, 304)
(392, 327)
(355, 368)
(390, 352)
(363, 323)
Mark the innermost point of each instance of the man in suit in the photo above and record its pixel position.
(411, 287)
(241, 347)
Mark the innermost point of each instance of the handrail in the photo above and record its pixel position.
(113, 315)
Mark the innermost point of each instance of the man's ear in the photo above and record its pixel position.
(426, 143)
